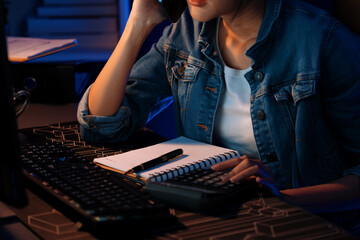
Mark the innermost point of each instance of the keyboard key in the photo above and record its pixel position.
(84, 186)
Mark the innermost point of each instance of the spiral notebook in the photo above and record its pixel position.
(195, 155)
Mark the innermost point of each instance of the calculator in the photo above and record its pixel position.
(201, 189)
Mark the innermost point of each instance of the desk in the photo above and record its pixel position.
(257, 218)
(269, 218)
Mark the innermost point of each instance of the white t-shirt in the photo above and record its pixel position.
(233, 126)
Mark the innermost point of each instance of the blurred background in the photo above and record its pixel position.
(61, 78)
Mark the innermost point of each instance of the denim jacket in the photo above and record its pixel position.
(305, 92)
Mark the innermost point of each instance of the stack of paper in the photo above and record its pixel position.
(21, 49)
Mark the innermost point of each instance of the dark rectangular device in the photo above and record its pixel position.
(12, 190)
(173, 8)
(201, 189)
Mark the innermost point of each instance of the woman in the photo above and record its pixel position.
(277, 80)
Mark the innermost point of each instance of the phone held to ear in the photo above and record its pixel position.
(173, 8)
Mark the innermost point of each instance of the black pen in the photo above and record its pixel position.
(156, 161)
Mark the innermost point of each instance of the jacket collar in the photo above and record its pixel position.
(266, 32)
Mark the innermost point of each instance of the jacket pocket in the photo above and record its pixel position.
(302, 87)
(183, 78)
(184, 71)
(291, 93)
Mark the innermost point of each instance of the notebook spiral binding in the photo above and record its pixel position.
(203, 164)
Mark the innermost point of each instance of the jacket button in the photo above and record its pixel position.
(271, 157)
(261, 115)
(259, 76)
(181, 70)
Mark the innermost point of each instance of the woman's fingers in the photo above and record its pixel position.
(243, 168)
(228, 164)
(238, 173)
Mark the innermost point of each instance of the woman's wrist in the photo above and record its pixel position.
(138, 28)
(146, 21)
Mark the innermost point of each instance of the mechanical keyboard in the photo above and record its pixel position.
(62, 169)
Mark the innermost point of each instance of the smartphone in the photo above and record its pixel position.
(173, 8)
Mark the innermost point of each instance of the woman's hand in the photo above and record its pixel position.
(245, 168)
(148, 12)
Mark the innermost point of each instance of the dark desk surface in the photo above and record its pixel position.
(258, 218)
(268, 218)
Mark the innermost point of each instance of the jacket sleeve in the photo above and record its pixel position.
(147, 91)
(341, 93)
